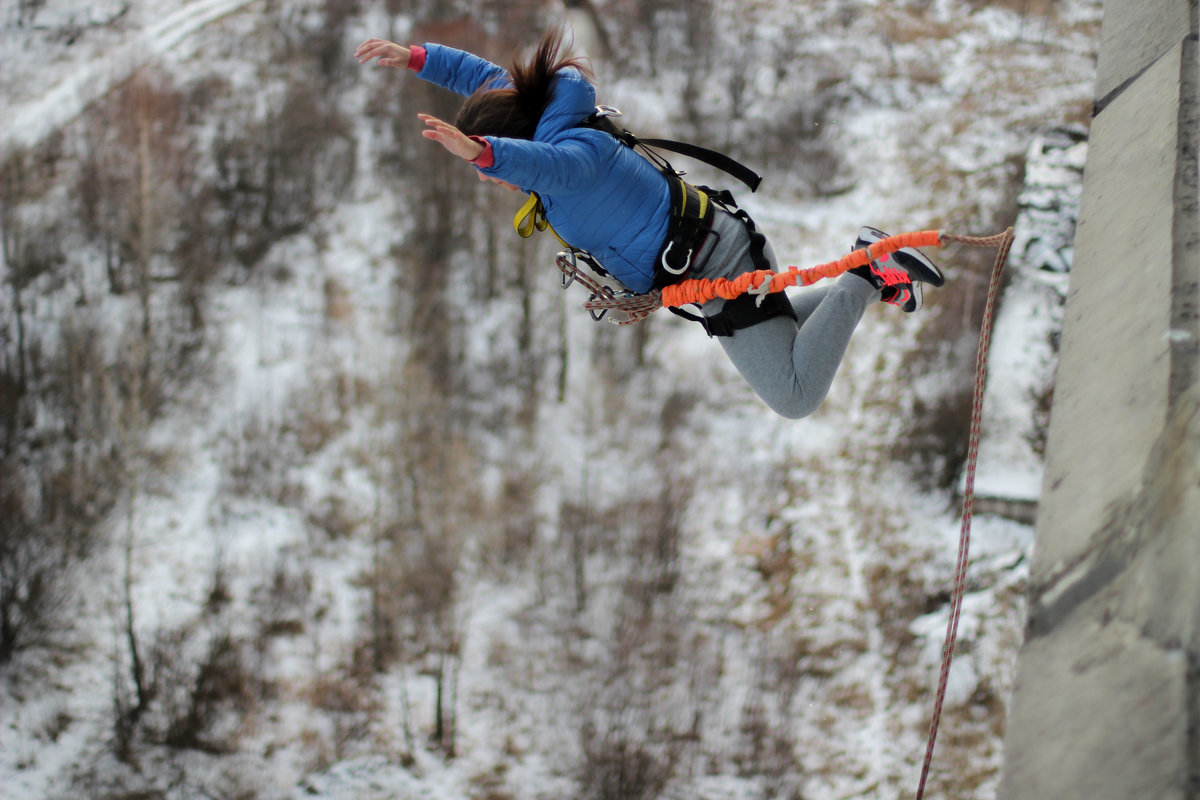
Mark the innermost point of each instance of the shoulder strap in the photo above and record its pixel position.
(602, 120)
(710, 157)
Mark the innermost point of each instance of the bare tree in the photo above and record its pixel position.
(33, 592)
(30, 248)
(418, 593)
(131, 186)
(130, 708)
(275, 174)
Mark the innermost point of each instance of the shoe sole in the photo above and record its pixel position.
(912, 261)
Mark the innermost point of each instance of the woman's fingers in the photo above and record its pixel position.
(389, 54)
(449, 137)
(442, 132)
(436, 128)
(434, 122)
(370, 48)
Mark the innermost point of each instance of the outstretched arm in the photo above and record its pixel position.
(391, 54)
(456, 70)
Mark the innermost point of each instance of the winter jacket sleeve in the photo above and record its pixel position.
(459, 71)
(559, 158)
(559, 167)
(416, 57)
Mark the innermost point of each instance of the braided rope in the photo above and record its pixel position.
(1000, 240)
(630, 307)
(1003, 243)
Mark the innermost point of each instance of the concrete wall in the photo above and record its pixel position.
(1107, 697)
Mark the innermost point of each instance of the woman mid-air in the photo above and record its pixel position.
(523, 128)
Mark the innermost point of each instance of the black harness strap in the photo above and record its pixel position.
(602, 120)
(758, 242)
(743, 311)
(691, 221)
(710, 157)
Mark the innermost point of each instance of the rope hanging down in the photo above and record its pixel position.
(638, 307)
(1002, 242)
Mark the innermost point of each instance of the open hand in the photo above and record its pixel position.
(450, 138)
(389, 54)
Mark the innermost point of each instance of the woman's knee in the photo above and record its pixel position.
(796, 404)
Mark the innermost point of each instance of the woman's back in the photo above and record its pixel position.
(599, 195)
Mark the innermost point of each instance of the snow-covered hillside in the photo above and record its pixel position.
(314, 484)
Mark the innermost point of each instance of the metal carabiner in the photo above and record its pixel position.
(687, 261)
(568, 265)
(598, 315)
(607, 111)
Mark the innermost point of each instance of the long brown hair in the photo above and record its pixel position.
(513, 111)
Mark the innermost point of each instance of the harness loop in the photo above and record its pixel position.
(530, 217)
(683, 265)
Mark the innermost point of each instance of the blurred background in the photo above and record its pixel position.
(313, 483)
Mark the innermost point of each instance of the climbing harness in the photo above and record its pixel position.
(693, 209)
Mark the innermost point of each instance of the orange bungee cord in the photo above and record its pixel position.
(701, 290)
(630, 307)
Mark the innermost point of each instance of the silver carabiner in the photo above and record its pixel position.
(687, 261)
(568, 265)
(598, 314)
(608, 111)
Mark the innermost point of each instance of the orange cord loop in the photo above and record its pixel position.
(701, 290)
(629, 308)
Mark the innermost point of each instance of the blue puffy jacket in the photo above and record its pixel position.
(599, 195)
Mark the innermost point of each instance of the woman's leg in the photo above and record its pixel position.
(792, 367)
(789, 363)
(806, 300)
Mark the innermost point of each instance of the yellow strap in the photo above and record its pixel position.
(532, 217)
(684, 204)
(561, 240)
(527, 218)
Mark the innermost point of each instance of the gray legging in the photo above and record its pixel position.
(790, 364)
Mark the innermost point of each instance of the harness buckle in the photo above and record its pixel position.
(687, 260)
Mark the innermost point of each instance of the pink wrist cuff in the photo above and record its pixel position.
(488, 157)
(416, 57)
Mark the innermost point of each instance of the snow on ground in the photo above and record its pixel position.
(1011, 464)
(46, 94)
(808, 521)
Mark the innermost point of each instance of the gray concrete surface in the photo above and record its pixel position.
(1107, 697)
(1134, 35)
